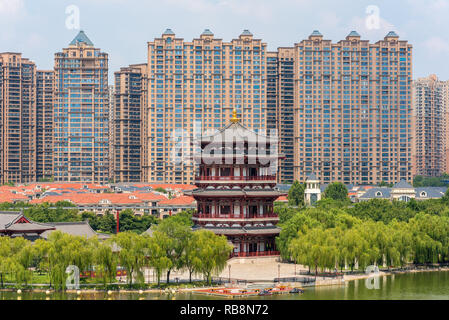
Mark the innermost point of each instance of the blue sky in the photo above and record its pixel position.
(37, 28)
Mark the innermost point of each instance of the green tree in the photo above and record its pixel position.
(336, 191)
(173, 236)
(158, 259)
(105, 261)
(211, 253)
(132, 254)
(296, 194)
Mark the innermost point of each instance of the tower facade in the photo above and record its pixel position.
(17, 119)
(431, 135)
(130, 93)
(235, 195)
(280, 106)
(81, 113)
(44, 125)
(193, 87)
(353, 108)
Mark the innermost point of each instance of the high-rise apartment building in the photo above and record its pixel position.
(17, 119)
(353, 108)
(81, 113)
(431, 134)
(130, 97)
(44, 125)
(192, 88)
(280, 106)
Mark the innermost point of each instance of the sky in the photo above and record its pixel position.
(122, 28)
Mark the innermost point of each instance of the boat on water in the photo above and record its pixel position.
(265, 293)
(296, 291)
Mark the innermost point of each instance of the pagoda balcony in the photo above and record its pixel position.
(232, 217)
(237, 178)
(255, 254)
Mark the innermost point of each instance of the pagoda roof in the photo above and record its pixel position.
(16, 222)
(235, 131)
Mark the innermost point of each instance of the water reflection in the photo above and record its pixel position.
(420, 286)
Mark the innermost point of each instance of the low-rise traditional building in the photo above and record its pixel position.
(403, 191)
(15, 224)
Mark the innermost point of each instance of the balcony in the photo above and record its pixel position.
(235, 178)
(267, 216)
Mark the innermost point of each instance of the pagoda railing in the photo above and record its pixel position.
(235, 178)
(232, 216)
(255, 254)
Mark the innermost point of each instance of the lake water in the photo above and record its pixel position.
(415, 286)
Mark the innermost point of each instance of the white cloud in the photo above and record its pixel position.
(11, 7)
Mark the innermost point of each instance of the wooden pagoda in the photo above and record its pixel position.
(236, 189)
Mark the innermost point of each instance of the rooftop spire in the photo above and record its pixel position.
(81, 38)
(234, 118)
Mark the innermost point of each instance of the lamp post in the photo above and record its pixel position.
(118, 221)
(279, 273)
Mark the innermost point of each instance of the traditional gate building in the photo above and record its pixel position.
(235, 195)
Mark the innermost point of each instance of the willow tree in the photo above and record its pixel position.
(316, 248)
(173, 236)
(105, 262)
(157, 257)
(65, 250)
(211, 254)
(131, 255)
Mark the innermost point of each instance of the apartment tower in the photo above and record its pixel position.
(17, 119)
(44, 125)
(129, 98)
(353, 108)
(430, 116)
(81, 113)
(192, 89)
(280, 107)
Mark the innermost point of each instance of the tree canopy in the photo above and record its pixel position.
(336, 191)
(296, 194)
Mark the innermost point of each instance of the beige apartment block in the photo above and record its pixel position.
(44, 124)
(280, 106)
(81, 114)
(17, 119)
(430, 118)
(192, 89)
(353, 108)
(129, 101)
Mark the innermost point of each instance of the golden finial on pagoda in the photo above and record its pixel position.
(234, 117)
